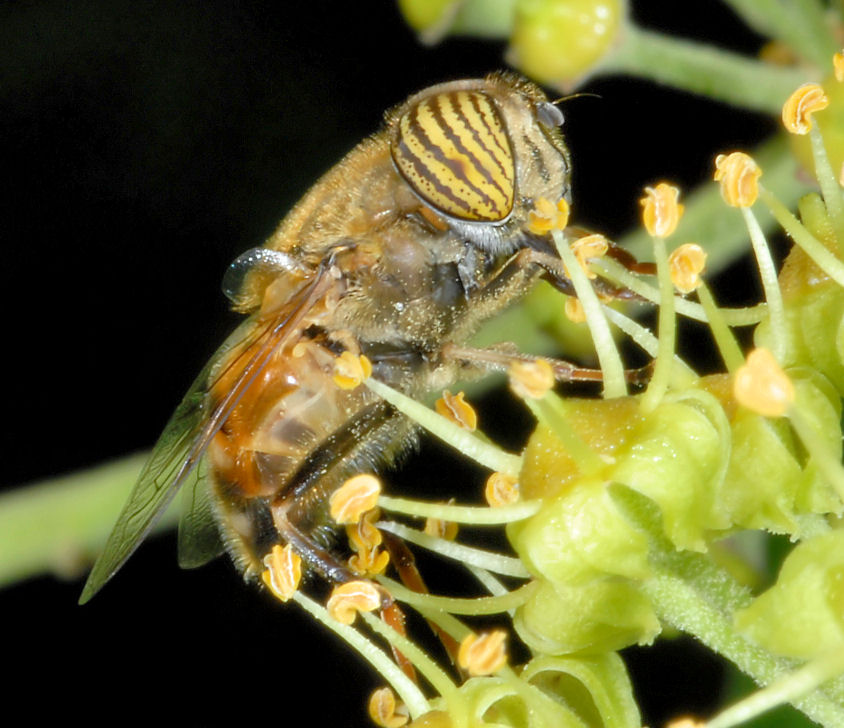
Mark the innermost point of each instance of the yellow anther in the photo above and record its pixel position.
(384, 710)
(483, 654)
(439, 528)
(661, 211)
(455, 408)
(501, 490)
(369, 562)
(798, 109)
(363, 535)
(574, 310)
(685, 723)
(838, 66)
(350, 370)
(762, 386)
(739, 176)
(588, 248)
(352, 597)
(354, 498)
(686, 263)
(283, 572)
(546, 216)
(531, 379)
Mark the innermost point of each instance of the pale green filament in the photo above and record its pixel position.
(663, 363)
(611, 365)
(617, 273)
(787, 689)
(682, 375)
(384, 664)
(470, 515)
(468, 444)
(497, 563)
(432, 672)
(770, 284)
(727, 344)
(830, 189)
(813, 247)
(476, 606)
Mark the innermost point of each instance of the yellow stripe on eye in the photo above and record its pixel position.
(454, 152)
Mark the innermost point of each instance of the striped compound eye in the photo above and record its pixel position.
(453, 150)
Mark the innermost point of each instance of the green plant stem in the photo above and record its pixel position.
(788, 688)
(703, 69)
(801, 24)
(74, 515)
(692, 594)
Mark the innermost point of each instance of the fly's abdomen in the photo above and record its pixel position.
(293, 439)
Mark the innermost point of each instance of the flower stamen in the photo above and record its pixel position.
(283, 572)
(455, 408)
(686, 264)
(661, 211)
(739, 176)
(355, 497)
(483, 654)
(531, 379)
(799, 107)
(352, 597)
(385, 711)
(762, 386)
(351, 371)
(501, 490)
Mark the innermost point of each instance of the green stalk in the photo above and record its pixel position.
(802, 25)
(692, 594)
(74, 515)
(704, 69)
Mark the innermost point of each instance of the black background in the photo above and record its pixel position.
(145, 145)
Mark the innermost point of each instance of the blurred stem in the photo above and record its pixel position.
(485, 18)
(704, 69)
(802, 25)
(58, 525)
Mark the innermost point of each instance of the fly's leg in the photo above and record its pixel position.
(515, 275)
(402, 559)
(299, 509)
(501, 358)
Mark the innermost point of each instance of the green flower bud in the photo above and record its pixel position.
(602, 615)
(802, 615)
(764, 476)
(678, 456)
(422, 15)
(580, 536)
(597, 688)
(558, 41)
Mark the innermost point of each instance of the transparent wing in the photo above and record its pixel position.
(199, 536)
(192, 427)
(160, 477)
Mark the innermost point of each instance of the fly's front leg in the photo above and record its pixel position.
(505, 285)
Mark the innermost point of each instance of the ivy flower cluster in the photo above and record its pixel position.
(617, 507)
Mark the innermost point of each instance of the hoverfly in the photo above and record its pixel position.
(399, 253)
